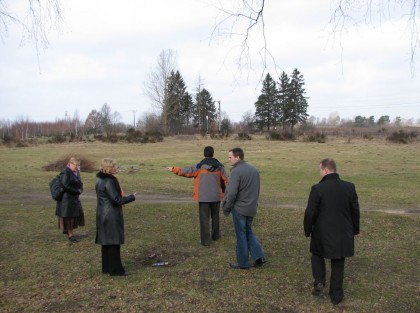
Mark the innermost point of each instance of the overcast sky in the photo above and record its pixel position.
(105, 49)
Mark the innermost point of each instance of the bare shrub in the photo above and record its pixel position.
(244, 136)
(21, 144)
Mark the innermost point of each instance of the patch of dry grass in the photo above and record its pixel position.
(41, 271)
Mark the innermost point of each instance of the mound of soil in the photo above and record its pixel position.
(86, 165)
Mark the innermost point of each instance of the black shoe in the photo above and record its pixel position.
(73, 239)
(122, 274)
(236, 266)
(316, 291)
(259, 262)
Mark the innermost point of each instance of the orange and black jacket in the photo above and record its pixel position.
(210, 179)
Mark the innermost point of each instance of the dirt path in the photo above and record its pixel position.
(90, 197)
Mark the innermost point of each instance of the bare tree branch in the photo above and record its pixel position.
(413, 22)
(155, 84)
(355, 12)
(248, 15)
(40, 16)
(241, 22)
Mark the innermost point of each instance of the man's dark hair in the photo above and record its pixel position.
(237, 152)
(329, 164)
(208, 152)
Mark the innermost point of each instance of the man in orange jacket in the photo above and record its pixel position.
(210, 181)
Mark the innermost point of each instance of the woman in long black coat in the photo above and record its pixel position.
(109, 217)
(69, 209)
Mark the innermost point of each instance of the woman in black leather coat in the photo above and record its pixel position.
(109, 217)
(69, 210)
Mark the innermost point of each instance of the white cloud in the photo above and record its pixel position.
(80, 68)
(107, 47)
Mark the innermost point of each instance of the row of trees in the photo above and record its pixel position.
(179, 110)
(362, 121)
(283, 103)
(73, 127)
(104, 122)
(184, 112)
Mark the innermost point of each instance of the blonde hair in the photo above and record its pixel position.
(75, 161)
(107, 165)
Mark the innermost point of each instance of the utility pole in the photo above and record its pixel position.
(198, 105)
(134, 112)
(220, 118)
(65, 123)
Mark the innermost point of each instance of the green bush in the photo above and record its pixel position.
(317, 137)
(133, 135)
(282, 136)
(58, 139)
(402, 137)
(154, 136)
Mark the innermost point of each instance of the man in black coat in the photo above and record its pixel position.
(332, 219)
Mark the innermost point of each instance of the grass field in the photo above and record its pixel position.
(41, 271)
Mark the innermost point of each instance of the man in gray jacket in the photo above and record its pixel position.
(241, 198)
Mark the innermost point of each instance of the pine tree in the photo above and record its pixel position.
(284, 91)
(297, 103)
(187, 106)
(178, 103)
(204, 110)
(267, 109)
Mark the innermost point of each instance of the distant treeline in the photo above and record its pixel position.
(25, 133)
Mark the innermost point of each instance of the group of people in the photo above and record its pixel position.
(331, 218)
(69, 209)
(239, 193)
(109, 214)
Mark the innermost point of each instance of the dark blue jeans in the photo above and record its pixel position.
(246, 242)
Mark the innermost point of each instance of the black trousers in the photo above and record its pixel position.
(337, 275)
(209, 210)
(111, 260)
